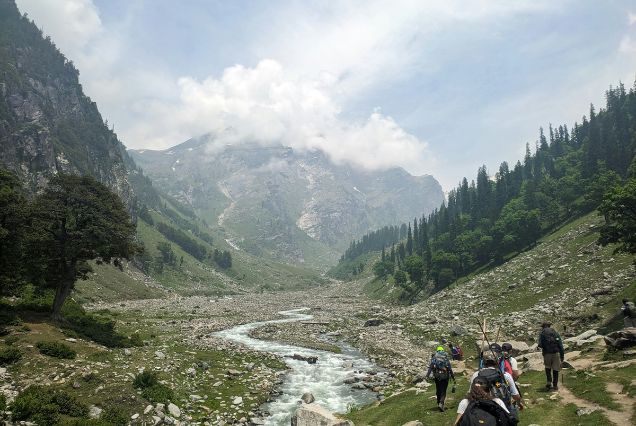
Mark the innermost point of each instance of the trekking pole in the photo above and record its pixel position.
(497, 336)
(486, 338)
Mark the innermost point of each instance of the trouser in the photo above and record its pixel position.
(552, 376)
(441, 385)
(629, 322)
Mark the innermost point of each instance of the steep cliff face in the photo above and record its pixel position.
(47, 124)
(289, 205)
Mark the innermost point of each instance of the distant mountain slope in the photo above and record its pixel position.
(291, 206)
(47, 124)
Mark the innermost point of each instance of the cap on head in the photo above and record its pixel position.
(546, 324)
(440, 349)
(506, 347)
(625, 300)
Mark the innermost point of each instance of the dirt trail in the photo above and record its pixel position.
(622, 417)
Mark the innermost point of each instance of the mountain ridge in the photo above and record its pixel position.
(284, 204)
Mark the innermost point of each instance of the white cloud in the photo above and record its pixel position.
(631, 17)
(72, 24)
(373, 43)
(263, 105)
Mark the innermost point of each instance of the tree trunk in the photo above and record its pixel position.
(61, 293)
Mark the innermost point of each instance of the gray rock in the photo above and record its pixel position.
(373, 322)
(94, 412)
(174, 410)
(622, 339)
(315, 415)
(414, 423)
(458, 330)
(160, 355)
(586, 411)
(237, 401)
(308, 398)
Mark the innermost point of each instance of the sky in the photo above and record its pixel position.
(436, 87)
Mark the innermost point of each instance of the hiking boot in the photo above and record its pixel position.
(555, 387)
(441, 406)
(548, 386)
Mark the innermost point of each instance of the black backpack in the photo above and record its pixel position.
(498, 385)
(550, 341)
(486, 413)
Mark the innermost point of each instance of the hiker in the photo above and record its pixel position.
(502, 385)
(508, 363)
(456, 351)
(553, 354)
(629, 313)
(482, 408)
(442, 371)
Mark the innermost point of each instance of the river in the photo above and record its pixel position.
(324, 379)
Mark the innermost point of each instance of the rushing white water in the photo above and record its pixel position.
(324, 379)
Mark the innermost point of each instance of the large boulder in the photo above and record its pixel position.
(315, 415)
(532, 361)
(622, 339)
(310, 359)
(458, 330)
(308, 398)
(373, 322)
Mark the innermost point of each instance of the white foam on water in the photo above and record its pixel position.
(325, 379)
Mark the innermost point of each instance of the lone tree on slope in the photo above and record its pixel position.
(75, 220)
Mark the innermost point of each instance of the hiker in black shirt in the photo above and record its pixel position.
(553, 354)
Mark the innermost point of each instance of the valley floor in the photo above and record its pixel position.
(566, 278)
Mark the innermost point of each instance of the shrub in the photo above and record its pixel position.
(69, 405)
(3, 402)
(9, 356)
(145, 379)
(97, 328)
(10, 340)
(114, 416)
(158, 393)
(43, 405)
(56, 350)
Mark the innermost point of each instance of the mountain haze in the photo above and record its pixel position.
(284, 204)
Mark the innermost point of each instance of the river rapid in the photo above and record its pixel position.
(324, 379)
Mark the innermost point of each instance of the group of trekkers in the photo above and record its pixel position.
(494, 397)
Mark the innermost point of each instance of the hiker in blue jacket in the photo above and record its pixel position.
(442, 371)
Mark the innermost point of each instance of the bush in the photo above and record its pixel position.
(3, 402)
(145, 379)
(96, 328)
(114, 416)
(43, 405)
(56, 350)
(10, 340)
(158, 393)
(10, 356)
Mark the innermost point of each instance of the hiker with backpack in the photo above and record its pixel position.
(502, 385)
(629, 313)
(508, 363)
(456, 352)
(553, 354)
(442, 371)
(481, 408)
